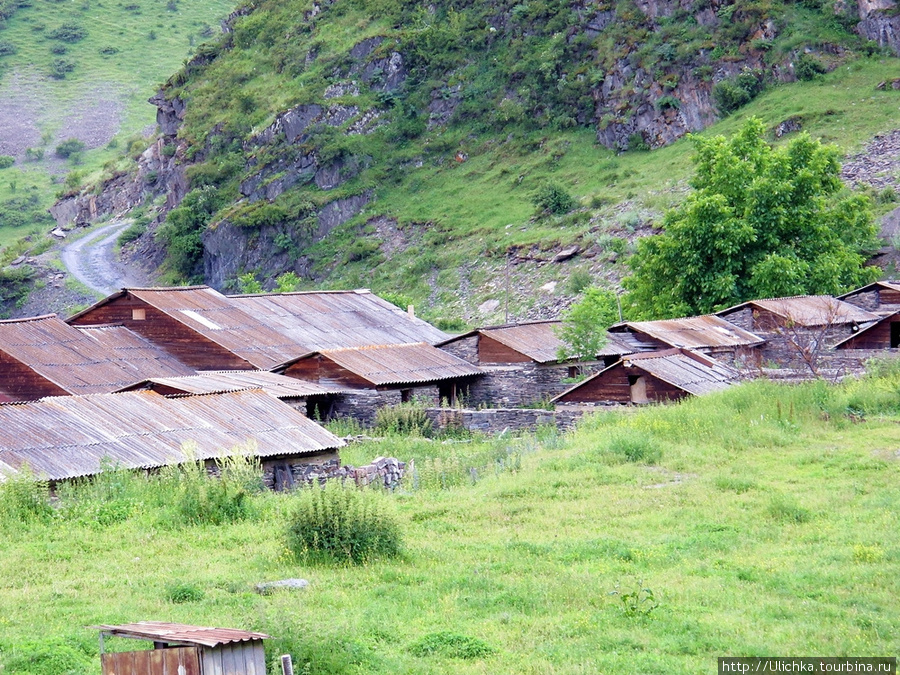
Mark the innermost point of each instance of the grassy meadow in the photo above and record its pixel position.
(759, 521)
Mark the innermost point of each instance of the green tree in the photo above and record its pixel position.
(583, 329)
(762, 221)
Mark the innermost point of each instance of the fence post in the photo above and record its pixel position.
(287, 666)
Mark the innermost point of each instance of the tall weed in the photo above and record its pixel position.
(24, 499)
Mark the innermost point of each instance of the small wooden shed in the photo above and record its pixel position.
(180, 649)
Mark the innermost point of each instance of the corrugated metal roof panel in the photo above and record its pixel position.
(401, 364)
(695, 332)
(219, 319)
(220, 381)
(68, 436)
(337, 319)
(92, 361)
(160, 631)
(809, 310)
(536, 340)
(693, 373)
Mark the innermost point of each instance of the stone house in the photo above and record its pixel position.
(384, 375)
(521, 362)
(800, 332)
(651, 377)
(708, 334)
(880, 297)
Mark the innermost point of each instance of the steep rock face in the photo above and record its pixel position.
(878, 21)
(229, 250)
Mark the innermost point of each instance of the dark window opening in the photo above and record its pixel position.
(405, 395)
(895, 334)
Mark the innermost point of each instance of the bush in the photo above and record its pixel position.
(637, 143)
(7, 48)
(69, 147)
(6, 161)
(343, 524)
(59, 68)
(24, 499)
(406, 419)
(182, 592)
(197, 498)
(553, 198)
(68, 32)
(808, 67)
(735, 92)
(451, 645)
(134, 231)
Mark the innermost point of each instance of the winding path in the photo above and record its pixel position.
(92, 260)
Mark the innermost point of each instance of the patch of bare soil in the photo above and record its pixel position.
(20, 111)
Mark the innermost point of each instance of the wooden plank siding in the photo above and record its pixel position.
(171, 661)
(21, 383)
(613, 385)
(235, 659)
(492, 351)
(317, 368)
(182, 342)
(877, 337)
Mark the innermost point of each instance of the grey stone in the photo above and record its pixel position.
(268, 587)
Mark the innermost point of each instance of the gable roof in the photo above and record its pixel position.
(692, 332)
(809, 310)
(417, 363)
(220, 381)
(69, 436)
(215, 317)
(537, 340)
(682, 368)
(83, 362)
(320, 320)
(888, 284)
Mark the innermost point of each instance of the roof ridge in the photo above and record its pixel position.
(26, 319)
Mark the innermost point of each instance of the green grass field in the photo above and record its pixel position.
(764, 520)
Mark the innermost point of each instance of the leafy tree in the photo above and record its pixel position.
(763, 221)
(583, 329)
(182, 232)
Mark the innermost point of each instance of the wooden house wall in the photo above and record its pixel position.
(613, 386)
(21, 383)
(171, 661)
(239, 658)
(182, 342)
(321, 369)
(888, 298)
(491, 351)
(877, 337)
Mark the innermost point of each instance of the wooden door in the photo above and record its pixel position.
(171, 661)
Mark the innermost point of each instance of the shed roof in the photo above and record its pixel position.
(417, 363)
(887, 318)
(68, 436)
(809, 310)
(180, 633)
(888, 283)
(217, 318)
(693, 332)
(320, 320)
(92, 361)
(220, 381)
(682, 368)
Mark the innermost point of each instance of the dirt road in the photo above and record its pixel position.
(92, 260)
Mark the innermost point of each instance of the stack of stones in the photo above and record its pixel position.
(383, 471)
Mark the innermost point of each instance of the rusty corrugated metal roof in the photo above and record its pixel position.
(93, 361)
(692, 372)
(337, 319)
(809, 310)
(180, 633)
(888, 283)
(418, 363)
(888, 318)
(68, 436)
(220, 381)
(693, 332)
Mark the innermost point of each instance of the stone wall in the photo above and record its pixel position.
(465, 349)
(384, 472)
(498, 420)
(362, 405)
(518, 384)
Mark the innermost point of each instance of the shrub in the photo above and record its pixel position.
(59, 68)
(25, 499)
(182, 592)
(7, 48)
(406, 419)
(634, 445)
(68, 32)
(6, 161)
(451, 645)
(343, 524)
(69, 147)
(134, 231)
(34, 154)
(59, 50)
(808, 67)
(553, 198)
(735, 92)
(196, 498)
(637, 143)
(578, 281)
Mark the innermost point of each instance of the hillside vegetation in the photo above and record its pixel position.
(762, 520)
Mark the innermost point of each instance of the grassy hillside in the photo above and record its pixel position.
(763, 520)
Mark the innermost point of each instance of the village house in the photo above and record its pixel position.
(66, 437)
(800, 332)
(385, 375)
(652, 377)
(45, 356)
(521, 362)
(311, 398)
(707, 334)
(880, 297)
